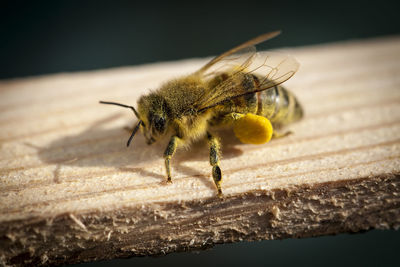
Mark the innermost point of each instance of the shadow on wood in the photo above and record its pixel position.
(99, 146)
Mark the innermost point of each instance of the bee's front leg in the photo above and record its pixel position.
(214, 161)
(169, 152)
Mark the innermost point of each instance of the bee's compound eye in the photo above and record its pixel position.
(159, 123)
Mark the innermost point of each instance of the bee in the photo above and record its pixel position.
(239, 88)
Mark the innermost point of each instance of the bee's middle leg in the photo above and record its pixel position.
(169, 152)
(214, 161)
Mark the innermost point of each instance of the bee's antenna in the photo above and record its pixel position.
(134, 132)
(134, 111)
(122, 105)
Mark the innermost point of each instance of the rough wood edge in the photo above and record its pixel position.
(304, 211)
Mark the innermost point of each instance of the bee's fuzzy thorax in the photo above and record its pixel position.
(182, 94)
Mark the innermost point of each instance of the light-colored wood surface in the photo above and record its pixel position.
(70, 190)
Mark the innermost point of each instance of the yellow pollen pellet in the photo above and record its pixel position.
(253, 129)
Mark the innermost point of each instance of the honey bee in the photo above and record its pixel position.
(238, 88)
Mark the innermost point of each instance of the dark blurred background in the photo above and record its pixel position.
(40, 37)
(374, 248)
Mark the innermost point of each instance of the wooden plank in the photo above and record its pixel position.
(71, 191)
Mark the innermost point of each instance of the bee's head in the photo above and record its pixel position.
(152, 115)
(153, 111)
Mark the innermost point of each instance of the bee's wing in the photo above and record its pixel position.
(271, 69)
(238, 54)
(238, 61)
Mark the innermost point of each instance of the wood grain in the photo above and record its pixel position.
(70, 190)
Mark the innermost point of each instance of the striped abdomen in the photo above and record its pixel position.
(276, 103)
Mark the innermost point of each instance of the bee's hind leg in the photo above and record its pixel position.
(215, 148)
(169, 152)
(276, 135)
